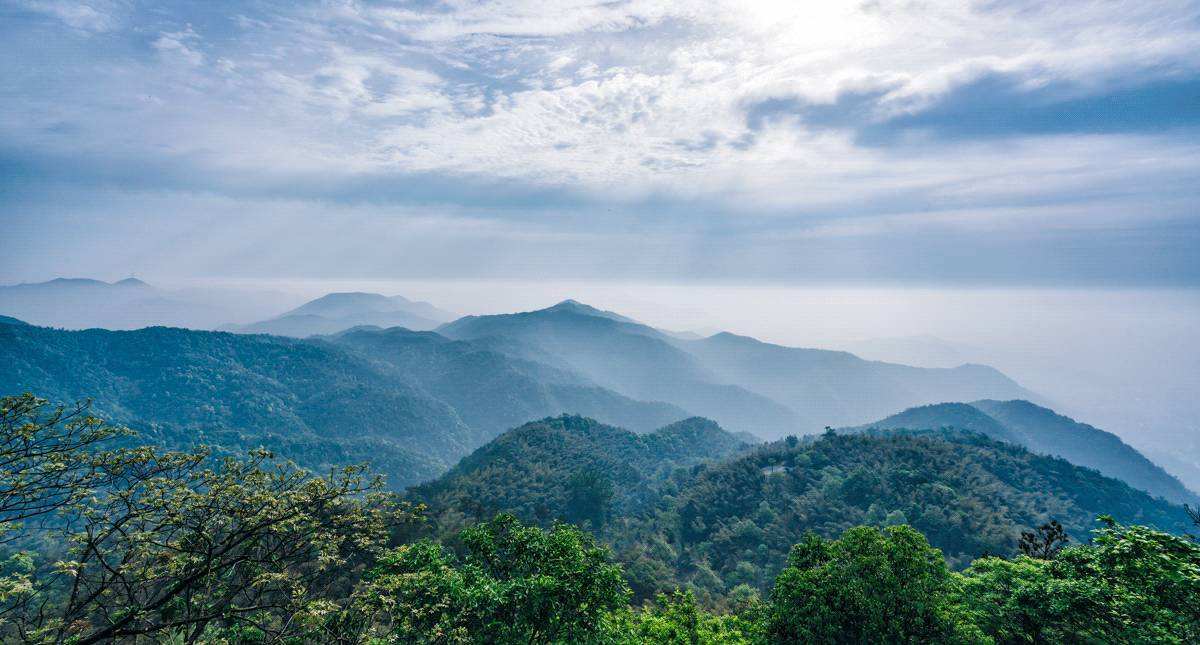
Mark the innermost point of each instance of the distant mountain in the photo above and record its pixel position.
(9, 320)
(1046, 431)
(82, 303)
(633, 359)
(336, 312)
(570, 468)
(1043, 431)
(742, 383)
(838, 388)
(920, 350)
(493, 391)
(412, 403)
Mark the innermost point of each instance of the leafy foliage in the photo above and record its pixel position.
(155, 542)
(569, 468)
(869, 586)
(1132, 584)
(514, 584)
(113, 542)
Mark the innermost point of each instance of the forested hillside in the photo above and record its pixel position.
(1043, 431)
(392, 398)
(715, 542)
(572, 469)
(727, 517)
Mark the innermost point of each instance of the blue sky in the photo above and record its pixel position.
(871, 141)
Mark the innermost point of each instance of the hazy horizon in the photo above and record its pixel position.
(1011, 183)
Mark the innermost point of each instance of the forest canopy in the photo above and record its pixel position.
(104, 542)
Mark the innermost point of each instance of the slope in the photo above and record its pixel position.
(838, 388)
(570, 468)
(313, 402)
(337, 312)
(632, 359)
(493, 391)
(1045, 431)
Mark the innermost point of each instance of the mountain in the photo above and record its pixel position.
(690, 505)
(412, 403)
(9, 320)
(493, 391)
(312, 402)
(633, 359)
(742, 383)
(1044, 431)
(838, 388)
(968, 494)
(336, 312)
(81, 303)
(570, 468)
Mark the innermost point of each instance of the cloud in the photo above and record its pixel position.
(89, 16)
(695, 119)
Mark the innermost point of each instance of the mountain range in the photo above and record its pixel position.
(415, 402)
(1044, 431)
(337, 312)
(690, 505)
(82, 303)
(742, 383)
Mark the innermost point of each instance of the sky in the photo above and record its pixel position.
(913, 142)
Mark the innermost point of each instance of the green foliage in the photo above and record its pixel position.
(967, 494)
(155, 543)
(1132, 584)
(569, 468)
(869, 586)
(513, 584)
(107, 541)
(676, 619)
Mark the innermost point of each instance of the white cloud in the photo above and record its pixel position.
(621, 101)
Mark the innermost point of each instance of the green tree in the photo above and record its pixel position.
(872, 586)
(676, 619)
(172, 543)
(1132, 584)
(513, 584)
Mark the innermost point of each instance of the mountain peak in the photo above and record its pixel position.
(575, 306)
(130, 282)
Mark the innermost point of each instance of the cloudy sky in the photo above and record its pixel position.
(923, 141)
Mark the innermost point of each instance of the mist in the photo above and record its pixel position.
(1125, 360)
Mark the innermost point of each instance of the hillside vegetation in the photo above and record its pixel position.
(104, 544)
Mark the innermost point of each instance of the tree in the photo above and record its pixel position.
(1132, 584)
(513, 584)
(1049, 539)
(589, 495)
(49, 458)
(868, 586)
(677, 620)
(163, 543)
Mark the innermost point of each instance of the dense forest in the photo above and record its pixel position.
(412, 403)
(1043, 431)
(103, 541)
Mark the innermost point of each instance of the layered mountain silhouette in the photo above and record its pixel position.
(336, 312)
(414, 402)
(740, 382)
(410, 403)
(1044, 431)
(82, 303)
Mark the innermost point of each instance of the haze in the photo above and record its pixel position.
(1012, 183)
